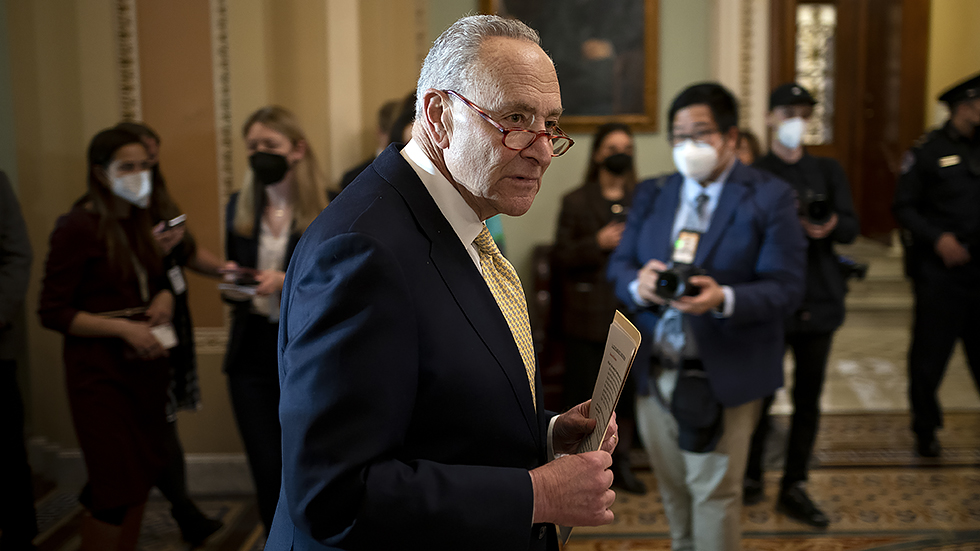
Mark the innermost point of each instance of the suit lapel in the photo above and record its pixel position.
(731, 196)
(665, 210)
(462, 278)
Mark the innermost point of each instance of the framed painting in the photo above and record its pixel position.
(606, 55)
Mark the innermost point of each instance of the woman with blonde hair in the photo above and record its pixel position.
(283, 192)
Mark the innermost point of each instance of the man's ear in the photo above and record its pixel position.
(731, 136)
(438, 120)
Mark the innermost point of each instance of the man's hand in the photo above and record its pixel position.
(574, 425)
(819, 231)
(951, 251)
(574, 490)
(647, 277)
(710, 297)
(610, 234)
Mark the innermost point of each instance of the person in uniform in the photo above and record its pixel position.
(826, 213)
(937, 204)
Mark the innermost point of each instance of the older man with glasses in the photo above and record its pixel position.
(411, 406)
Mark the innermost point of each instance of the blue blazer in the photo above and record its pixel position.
(407, 419)
(754, 244)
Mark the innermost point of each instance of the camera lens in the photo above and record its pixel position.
(668, 284)
(818, 210)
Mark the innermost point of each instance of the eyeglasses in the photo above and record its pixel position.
(519, 139)
(700, 136)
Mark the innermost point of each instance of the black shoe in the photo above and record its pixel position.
(195, 529)
(796, 504)
(752, 492)
(926, 445)
(624, 479)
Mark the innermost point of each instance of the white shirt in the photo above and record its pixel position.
(462, 218)
(271, 256)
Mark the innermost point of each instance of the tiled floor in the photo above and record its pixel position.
(867, 368)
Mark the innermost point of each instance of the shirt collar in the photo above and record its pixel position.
(692, 189)
(461, 217)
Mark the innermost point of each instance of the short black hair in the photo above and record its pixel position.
(719, 100)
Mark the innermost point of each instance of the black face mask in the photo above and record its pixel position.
(269, 168)
(618, 163)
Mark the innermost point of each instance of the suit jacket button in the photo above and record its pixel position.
(542, 532)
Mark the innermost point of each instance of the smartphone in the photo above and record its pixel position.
(176, 221)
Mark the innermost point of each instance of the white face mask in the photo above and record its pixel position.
(134, 188)
(790, 132)
(695, 160)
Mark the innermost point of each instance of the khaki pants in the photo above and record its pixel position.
(701, 492)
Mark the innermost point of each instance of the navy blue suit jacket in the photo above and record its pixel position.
(754, 244)
(407, 419)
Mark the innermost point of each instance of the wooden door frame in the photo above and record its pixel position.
(849, 128)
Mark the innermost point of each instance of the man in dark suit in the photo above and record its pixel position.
(718, 347)
(17, 520)
(411, 411)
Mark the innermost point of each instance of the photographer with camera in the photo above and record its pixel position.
(826, 214)
(710, 263)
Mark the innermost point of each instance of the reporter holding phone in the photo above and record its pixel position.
(104, 287)
(283, 192)
(589, 228)
(180, 250)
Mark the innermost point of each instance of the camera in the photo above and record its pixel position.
(673, 283)
(815, 207)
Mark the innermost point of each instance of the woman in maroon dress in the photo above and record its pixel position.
(105, 289)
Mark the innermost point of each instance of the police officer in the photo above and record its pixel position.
(937, 203)
(827, 216)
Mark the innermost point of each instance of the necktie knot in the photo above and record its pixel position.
(485, 244)
(702, 205)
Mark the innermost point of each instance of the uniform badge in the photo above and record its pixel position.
(949, 160)
(908, 161)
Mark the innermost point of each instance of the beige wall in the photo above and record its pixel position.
(954, 51)
(64, 90)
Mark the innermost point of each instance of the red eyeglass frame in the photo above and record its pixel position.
(506, 131)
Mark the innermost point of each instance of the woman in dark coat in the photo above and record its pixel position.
(105, 289)
(589, 228)
(283, 192)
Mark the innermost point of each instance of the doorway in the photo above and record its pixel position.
(865, 62)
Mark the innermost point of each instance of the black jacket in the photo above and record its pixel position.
(15, 269)
(244, 250)
(938, 192)
(822, 310)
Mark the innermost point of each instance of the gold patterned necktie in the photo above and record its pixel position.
(507, 291)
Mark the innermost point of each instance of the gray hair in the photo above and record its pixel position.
(449, 64)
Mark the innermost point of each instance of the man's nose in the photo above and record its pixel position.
(540, 149)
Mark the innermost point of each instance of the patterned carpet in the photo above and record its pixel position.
(879, 495)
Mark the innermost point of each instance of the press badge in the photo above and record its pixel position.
(686, 247)
(177, 283)
(949, 160)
